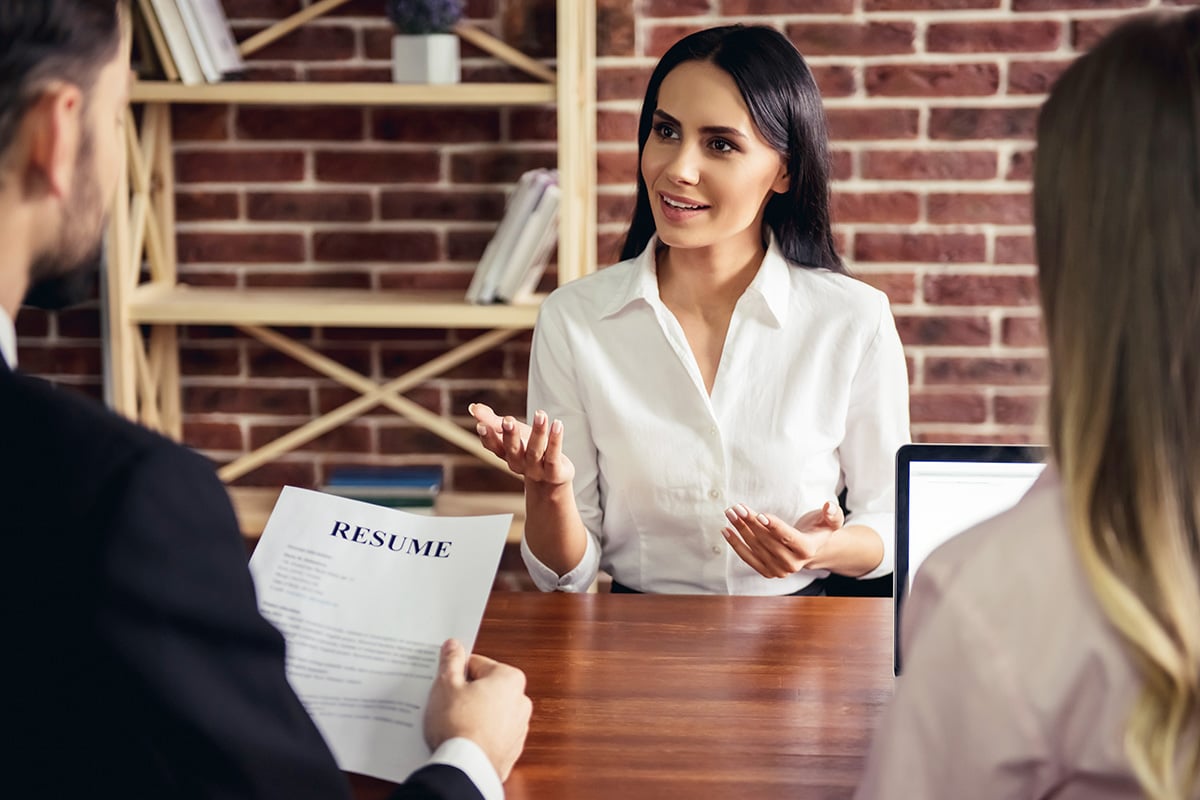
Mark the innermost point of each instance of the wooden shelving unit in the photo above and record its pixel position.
(145, 365)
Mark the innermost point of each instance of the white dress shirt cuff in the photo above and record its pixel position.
(885, 525)
(469, 757)
(579, 579)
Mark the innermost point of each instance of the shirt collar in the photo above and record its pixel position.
(8, 340)
(770, 287)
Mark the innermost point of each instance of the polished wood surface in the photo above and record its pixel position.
(657, 697)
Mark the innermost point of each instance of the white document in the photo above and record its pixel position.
(364, 596)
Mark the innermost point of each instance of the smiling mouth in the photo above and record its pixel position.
(670, 203)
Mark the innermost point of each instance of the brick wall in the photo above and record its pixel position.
(931, 103)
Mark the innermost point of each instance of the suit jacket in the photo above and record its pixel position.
(135, 662)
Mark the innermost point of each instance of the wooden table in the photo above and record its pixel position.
(661, 697)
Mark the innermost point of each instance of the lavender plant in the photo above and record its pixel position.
(416, 17)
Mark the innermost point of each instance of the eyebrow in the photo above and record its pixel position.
(719, 130)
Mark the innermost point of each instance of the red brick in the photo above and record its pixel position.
(426, 279)
(192, 276)
(1020, 166)
(344, 74)
(540, 124)
(309, 206)
(659, 38)
(674, 8)
(984, 371)
(410, 166)
(498, 166)
(229, 399)
(980, 290)
(467, 245)
(312, 279)
(503, 398)
(352, 246)
(240, 248)
(893, 207)
(615, 28)
(732, 8)
(1022, 332)
(288, 471)
(310, 43)
(928, 5)
(348, 438)
(838, 38)
(197, 206)
(266, 362)
(304, 124)
(199, 123)
(1085, 33)
(78, 323)
(213, 435)
(75, 359)
(32, 323)
(274, 72)
(241, 166)
(1015, 250)
(958, 437)
(614, 207)
(616, 167)
(947, 407)
(872, 123)
(997, 208)
(841, 165)
(1088, 5)
(1034, 77)
(929, 165)
(220, 360)
(982, 123)
(621, 83)
(926, 248)
(1023, 409)
(944, 330)
(900, 287)
(407, 439)
(467, 477)
(443, 204)
(932, 80)
(835, 80)
(993, 37)
(435, 126)
(616, 126)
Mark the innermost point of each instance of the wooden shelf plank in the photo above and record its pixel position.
(253, 506)
(196, 305)
(357, 94)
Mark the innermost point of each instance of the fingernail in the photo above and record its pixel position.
(731, 515)
(507, 424)
(556, 427)
(726, 532)
(481, 429)
(742, 511)
(763, 519)
(539, 417)
(471, 408)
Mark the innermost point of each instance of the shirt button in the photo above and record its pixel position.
(716, 548)
(713, 430)
(714, 493)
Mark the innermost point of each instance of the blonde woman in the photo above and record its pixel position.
(1055, 650)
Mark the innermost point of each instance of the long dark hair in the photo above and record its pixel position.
(785, 106)
(47, 40)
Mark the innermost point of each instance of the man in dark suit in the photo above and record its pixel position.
(135, 663)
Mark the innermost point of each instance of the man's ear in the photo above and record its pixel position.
(54, 126)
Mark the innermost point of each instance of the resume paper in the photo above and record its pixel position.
(364, 596)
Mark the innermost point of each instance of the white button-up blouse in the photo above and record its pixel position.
(810, 395)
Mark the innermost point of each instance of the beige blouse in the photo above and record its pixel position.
(1014, 684)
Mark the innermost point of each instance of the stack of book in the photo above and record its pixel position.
(192, 40)
(410, 488)
(515, 259)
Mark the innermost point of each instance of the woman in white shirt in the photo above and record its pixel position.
(1054, 651)
(696, 409)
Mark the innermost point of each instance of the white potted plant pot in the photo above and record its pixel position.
(425, 58)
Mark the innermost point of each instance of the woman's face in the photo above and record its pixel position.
(708, 171)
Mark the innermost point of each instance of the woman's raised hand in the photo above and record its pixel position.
(774, 548)
(532, 451)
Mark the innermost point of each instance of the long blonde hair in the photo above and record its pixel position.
(1117, 208)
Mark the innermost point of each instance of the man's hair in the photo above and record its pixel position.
(51, 40)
